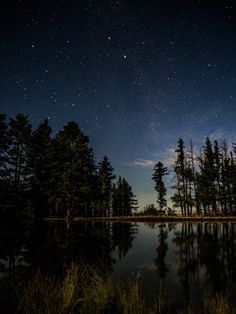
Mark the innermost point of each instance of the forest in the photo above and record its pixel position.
(203, 184)
(42, 175)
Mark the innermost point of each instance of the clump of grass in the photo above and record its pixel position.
(132, 300)
(219, 304)
(44, 294)
(104, 295)
(81, 290)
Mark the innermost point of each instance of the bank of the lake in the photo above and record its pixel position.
(149, 218)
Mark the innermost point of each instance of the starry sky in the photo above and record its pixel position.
(135, 75)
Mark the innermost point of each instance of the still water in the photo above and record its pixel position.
(179, 261)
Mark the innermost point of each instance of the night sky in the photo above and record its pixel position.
(135, 75)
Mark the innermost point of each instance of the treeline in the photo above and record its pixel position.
(203, 184)
(43, 175)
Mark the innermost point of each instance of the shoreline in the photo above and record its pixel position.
(149, 219)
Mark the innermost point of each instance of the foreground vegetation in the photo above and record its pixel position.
(82, 290)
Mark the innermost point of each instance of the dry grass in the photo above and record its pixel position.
(82, 290)
(219, 304)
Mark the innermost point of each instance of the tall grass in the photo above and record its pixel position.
(82, 290)
(44, 294)
(218, 304)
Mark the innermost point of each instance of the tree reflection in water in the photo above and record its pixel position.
(194, 258)
(207, 258)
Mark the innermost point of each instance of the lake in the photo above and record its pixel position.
(177, 261)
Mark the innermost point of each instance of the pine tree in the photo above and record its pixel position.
(217, 177)
(233, 173)
(191, 181)
(77, 169)
(17, 155)
(129, 199)
(123, 199)
(105, 177)
(207, 179)
(159, 172)
(4, 142)
(180, 197)
(226, 177)
(40, 164)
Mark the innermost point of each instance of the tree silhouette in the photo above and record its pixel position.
(4, 143)
(17, 157)
(180, 197)
(40, 164)
(105, 178)
(159, 172)
(123, 199)
(76, 167)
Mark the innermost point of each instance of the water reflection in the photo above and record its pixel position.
(187, 259)
(123, 235)
(206, 258)
(161, 250)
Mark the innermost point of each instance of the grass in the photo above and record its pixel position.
(82, 290)
(219, 304)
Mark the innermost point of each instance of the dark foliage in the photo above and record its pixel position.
(205, 184)
(42, 176)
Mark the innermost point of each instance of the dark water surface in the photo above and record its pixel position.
(181, 261)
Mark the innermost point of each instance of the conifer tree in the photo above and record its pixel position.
(226, 177)
(207, 178)
(40, 164)
(123, 199)
(233, 177)
(192, 197)
(105, 177)
(159, 172)
(17, 155)
(4, 142)
(179, 198)
(77, 169)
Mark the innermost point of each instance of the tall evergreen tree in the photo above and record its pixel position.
(4, 142)
(159, 172)
(233, 177)
(207, 178)
(17, 156)
(192, 197)
(123, 199)
(226, 178)
(179, 198)
(41, 164)
(76, 166)
(217, 176)
(105, 177)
